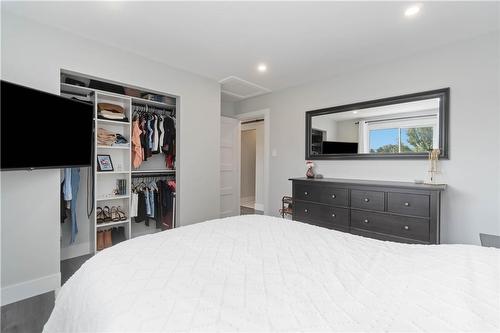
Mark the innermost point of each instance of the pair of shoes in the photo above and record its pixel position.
(104, 239)
(117, 214)
(103, 215)
(118, 235)
(110, 237)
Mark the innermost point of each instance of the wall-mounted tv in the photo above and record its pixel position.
(42, 130)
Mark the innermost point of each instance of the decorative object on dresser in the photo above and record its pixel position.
(396, 211)
(433, 166)
(310, 169)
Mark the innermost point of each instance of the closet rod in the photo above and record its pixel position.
(146, 175)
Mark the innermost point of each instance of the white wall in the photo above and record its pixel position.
(469, 68)
(347, 131)
(32, 55)
(227, 109)
(30, 233)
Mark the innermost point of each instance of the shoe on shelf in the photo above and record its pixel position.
(99, 215)
(100, 240)
(114, 214)
(121, 214)
(107, 214)
(107, 239)
(118, 235)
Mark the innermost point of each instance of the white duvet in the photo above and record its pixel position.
(257, 273)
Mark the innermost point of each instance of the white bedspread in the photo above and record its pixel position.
(256, 273)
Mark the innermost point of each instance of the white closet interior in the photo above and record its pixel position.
(98, 187)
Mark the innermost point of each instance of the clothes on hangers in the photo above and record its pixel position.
(154, 201)
(70, 188)
(137, 152)
(156, 133)
(156, 136)
(134, 201)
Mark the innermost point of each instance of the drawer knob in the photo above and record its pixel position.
(407, 227)
(305, 210)
(366, 199)
(366, 221)
(333, 196)
(305, 193)
(407, 204)
(333, 215)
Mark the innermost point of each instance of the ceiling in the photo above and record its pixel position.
(299, 41)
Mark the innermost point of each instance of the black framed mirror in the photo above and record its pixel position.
(401, 127)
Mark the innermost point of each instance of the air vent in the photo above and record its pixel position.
(240, 88)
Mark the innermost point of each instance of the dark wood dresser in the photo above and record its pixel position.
(395, 211)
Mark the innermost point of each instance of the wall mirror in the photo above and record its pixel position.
(407, 126)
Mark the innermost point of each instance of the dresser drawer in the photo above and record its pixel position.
(372, 200)
(407, 227)
(321, 215)
(408, 204)
(322, 194)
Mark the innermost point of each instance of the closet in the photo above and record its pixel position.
(131, 189)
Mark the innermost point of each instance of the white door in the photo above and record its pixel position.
(230, 130)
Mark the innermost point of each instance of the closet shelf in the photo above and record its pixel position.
(111, 172)
(85, 90)
(114, 122)
(154, 171)
(113, 147)
(152, 103)
(115, 197)
(109, 224)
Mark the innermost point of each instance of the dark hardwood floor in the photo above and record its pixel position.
(249, 211)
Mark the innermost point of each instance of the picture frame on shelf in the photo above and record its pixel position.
(104, 163)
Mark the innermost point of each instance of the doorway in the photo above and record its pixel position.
(230, 164)
(252, 167)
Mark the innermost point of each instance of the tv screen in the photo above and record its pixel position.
(41, 130)
(335, 147)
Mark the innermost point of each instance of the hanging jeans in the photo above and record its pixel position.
(75, 184)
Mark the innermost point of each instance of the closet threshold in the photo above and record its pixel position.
(109, 224)
(116, 197)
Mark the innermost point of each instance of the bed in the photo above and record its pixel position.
(258, 273)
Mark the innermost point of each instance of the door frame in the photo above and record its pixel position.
(266, 115)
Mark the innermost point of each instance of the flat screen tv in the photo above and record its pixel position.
(42, 130)
(336, 147)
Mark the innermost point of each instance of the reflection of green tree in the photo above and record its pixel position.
(420, 139)
(390, 149)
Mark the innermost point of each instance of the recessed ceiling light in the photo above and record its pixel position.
(412, 10)
(354, 112)
(262, 68)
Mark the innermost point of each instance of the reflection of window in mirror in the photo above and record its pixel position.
(411, 127)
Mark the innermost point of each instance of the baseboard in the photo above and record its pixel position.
(27, 289)
(74, 251)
